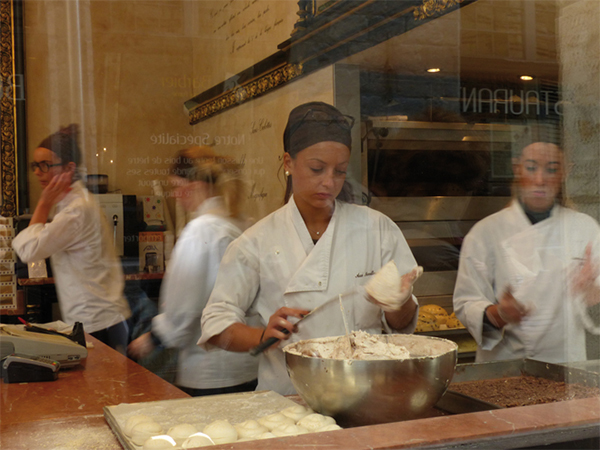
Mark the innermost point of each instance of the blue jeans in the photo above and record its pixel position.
(116, 336)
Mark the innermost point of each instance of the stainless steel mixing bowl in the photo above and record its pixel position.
(359, 392)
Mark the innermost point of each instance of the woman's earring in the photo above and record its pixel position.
(287, 173)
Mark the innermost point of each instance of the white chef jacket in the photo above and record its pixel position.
(186, 287)
(275, 263)
(537, 261)
(87, 273)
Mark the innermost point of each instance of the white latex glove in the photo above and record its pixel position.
(510, 309)
(388, 290)
(584, 277)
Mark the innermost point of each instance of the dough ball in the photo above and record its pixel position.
(133, 421)
(453, 322)
(197, 440)
(384, 286)
(250, 429)
(313, 422)
(296, 412)
(181, 432)
(441, 315)
(267, 435)
(289, 430)
(221, 432)
(159, 442)
(426, 322)
(434, 309)
(331, 427)
(144, 430)
(273, 421)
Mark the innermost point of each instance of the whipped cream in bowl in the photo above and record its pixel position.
(364, 379)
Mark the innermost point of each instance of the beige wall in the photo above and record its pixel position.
(253, 134)
(123, 69)
(579, 47)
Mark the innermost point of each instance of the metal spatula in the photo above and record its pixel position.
(272, 340)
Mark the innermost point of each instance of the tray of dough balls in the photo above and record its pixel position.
(212, 420)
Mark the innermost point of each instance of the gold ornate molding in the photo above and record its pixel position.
(246, 92)
(430, 8)
(8, 137)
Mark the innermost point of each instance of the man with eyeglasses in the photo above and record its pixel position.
(88, 275)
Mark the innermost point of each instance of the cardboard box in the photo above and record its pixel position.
(152, 253)
(154, 213)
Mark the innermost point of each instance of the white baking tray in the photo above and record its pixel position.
(197, 411)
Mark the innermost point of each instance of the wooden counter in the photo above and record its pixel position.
(67, 414)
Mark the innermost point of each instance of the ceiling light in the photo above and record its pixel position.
(434, 70)
(526, 77)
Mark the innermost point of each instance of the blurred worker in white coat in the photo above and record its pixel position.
(206, 185)
(529, 273)
(87, 272)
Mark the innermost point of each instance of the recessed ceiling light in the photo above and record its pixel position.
(526, 77)
(434, 70)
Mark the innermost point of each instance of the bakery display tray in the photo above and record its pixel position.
(443, 333)
(197, 411)
(516, 367)
(458, 403)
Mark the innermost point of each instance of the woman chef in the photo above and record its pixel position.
(307, 252)
(88, 275)
(528, 273)
(207, 186)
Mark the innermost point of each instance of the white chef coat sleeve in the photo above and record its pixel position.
(474, 291)
(235, 289)
(394, 246)
(40, 241)
(188, 284)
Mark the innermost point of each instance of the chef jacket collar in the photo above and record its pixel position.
(518, 208)
(313, 273)
(212, 205)
(77, 189)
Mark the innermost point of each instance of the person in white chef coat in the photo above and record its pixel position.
(528, 274)
(87, 272)
(307, 252)
(209, 187)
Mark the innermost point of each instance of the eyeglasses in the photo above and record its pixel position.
(343, 121)
(43, 166)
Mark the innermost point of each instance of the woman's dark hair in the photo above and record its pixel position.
(64, 143)
(311, 123)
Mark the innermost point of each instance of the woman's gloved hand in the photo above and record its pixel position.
(388, 290)
(140, 347)
(508, 310)
(279, 327)
(584, 278)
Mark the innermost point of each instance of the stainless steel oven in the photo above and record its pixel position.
(436, 180)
